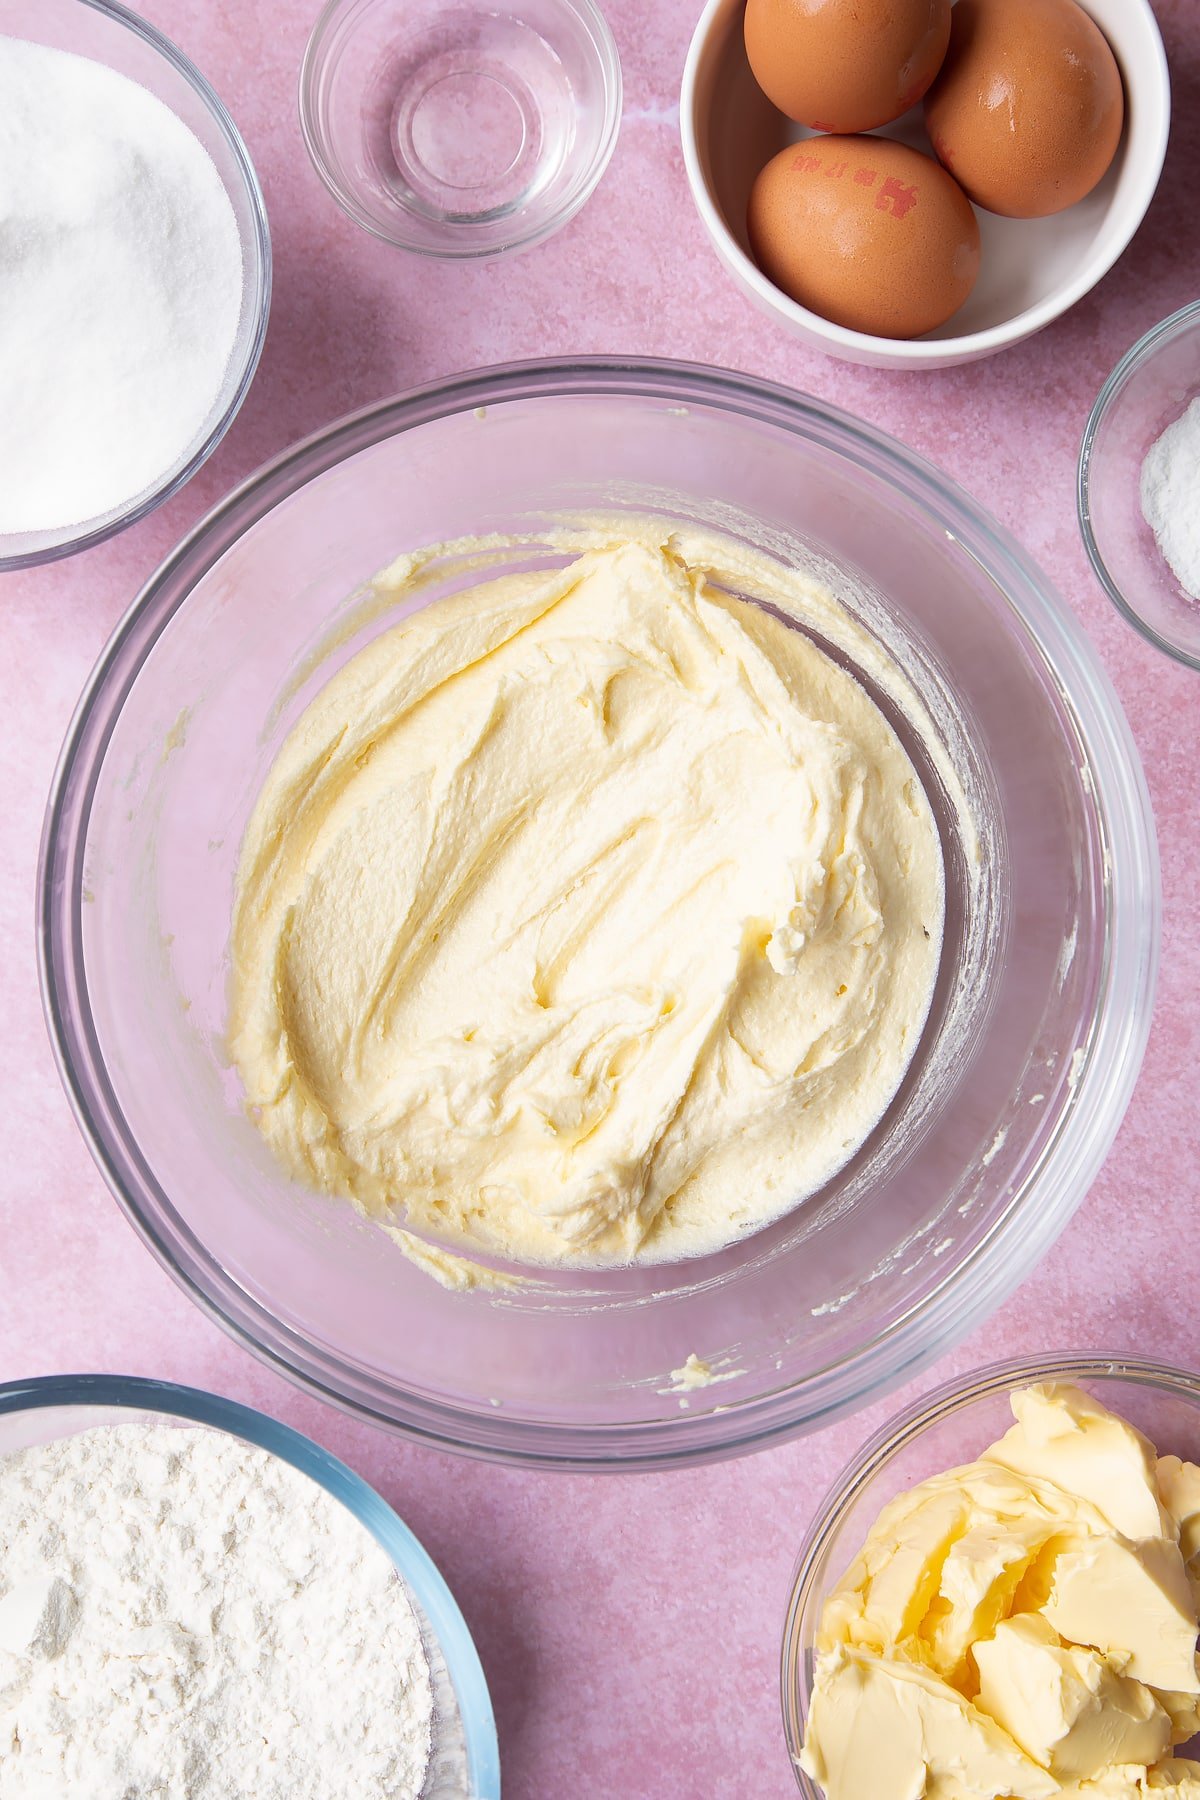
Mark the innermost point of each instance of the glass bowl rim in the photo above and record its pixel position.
(927, 1410)
(974, 1286)
(314, 61)
(409, 1557)
(1130, 366)
(256, 252)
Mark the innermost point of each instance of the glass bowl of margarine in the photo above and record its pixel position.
(953, 1427)
(1040, 1001)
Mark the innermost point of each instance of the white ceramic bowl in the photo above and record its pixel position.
(1033, 269)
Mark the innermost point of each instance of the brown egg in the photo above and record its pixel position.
(1028, 109)
(845, 65)
(865, 232)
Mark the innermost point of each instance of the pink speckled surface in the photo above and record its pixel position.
(629, 1626)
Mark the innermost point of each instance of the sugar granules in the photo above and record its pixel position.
(120, 289)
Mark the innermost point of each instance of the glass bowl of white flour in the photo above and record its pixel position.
(135, 265)
(1139, 486)
(196, 1599)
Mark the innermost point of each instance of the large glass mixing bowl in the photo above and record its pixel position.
(1023, 1072)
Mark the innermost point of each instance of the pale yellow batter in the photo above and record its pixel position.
(586, 916)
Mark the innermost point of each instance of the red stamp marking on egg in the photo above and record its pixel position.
(866, 177)
(806, 163)
(817, 126)
(895, 198)
(835, 171)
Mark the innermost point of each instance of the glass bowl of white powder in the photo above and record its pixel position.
(814, 1302)
(194, 1597)
(1139, 486)
(135, 268)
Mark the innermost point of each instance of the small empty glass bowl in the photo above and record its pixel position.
(105, 32)
(465, 1756)
(1148, 390)
(944, 1429)
(460, 130)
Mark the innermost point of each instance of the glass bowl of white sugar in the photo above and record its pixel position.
(1139, 486)
(192, 1594)
(135, 270)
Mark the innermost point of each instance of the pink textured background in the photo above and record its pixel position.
(629, 1626)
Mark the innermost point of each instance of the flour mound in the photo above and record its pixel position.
(184, 1617)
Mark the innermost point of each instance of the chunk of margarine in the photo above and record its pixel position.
(1064, 1436)
(949, 1530)
(1179, 1491)
(1065, 1705)
(1132, 1782)
(1134, 1602)
(979, 1582)
(884, 1720)
(1183, 1710)
(1126, 1783)
(1021, 1626)
(1174, 1776)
